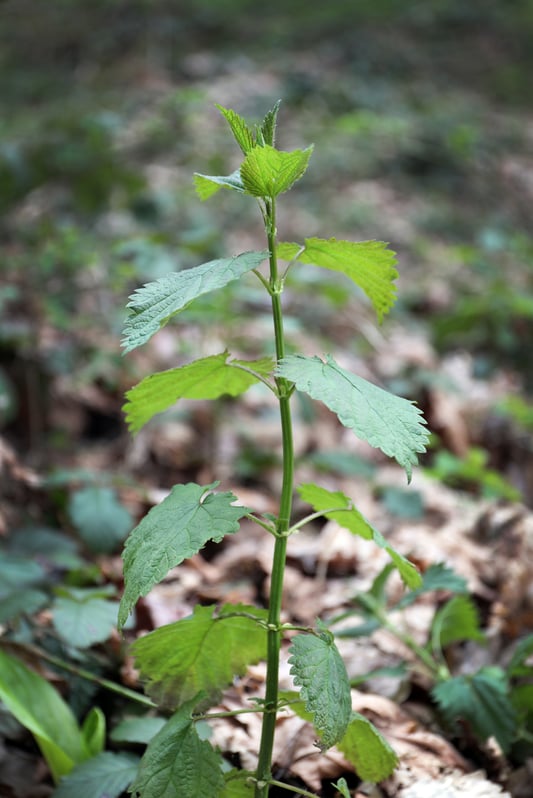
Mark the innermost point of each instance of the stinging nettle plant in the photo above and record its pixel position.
(185, 665)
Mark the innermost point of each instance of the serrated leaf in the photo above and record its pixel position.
(267, 172)
(41, 710)
(178, 763)
(100, 519)
(438, 576)
(318, 669)
(207, 378)
(153, 305)
(207, 185)
(350, 518)
(203, 652)
(239, 127)
(369, 264)
(107, 775)
(268, 126)
(367, 750)
(170, 533)
(388, 422)
(482, 701)
(456, 621)
(84, 623)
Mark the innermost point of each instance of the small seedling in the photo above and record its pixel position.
(187, 664)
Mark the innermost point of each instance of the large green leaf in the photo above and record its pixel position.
(171, 532)
(318, 668)
(178, 763)
(107, 775)
(153, 305)
(267, 172)
(350, 518)
(482, 700)
(367, 750)
(207, 378)
(203, 652)
(370, 264)
(386, 421)
(41, 710)
(84, 622)
(100, 519)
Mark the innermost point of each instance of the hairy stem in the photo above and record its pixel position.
(282, 526)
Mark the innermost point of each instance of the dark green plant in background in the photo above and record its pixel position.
(187, 664)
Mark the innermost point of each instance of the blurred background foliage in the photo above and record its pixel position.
(422, 120)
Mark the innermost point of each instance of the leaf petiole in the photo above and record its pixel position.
(290, 788)
(312, 516)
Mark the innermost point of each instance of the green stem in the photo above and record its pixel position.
(282, 526)
(297, 790)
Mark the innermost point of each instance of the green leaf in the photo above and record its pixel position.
(438, 576)
(342, 786)
(456, 621)
(170, 533)
(369, 264)
(318, 668)
(153, 305)
(350, 518)
(21, 602)
(207, 378)
(518, 665)
(268, 126)
(367, 750)
(107, 775)
(388, 422)
(137, 730)
(482, 700)
(239, 127)
(203, 652)
(93, 731)
(238, 785)
(267, 172)
(41, 710)
(207, 185)
(82, 623)
(100, 519)
(178, 763)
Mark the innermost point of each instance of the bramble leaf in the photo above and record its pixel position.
(350, 518)
(107, 774)
(207, 378)
(40, 709)
(369, 264)
(388, 422)
(482, 700)
(203, 652)
(170, 533)
(153, 305)
(457, 620)
(267, 172)
(239, 127)
(318, 669)
(207, 185)
(178, 763)
(367, 750)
